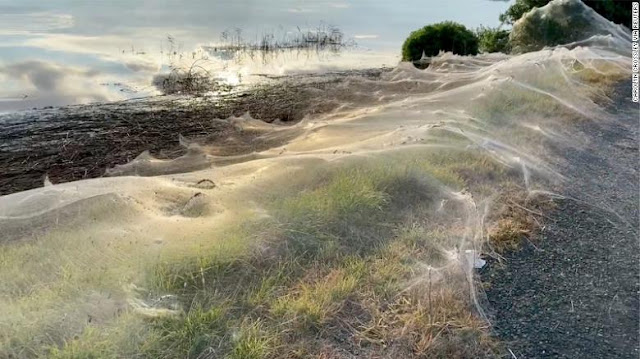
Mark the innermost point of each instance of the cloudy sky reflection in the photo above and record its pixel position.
(61, 52)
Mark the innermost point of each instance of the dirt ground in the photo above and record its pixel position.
(574, 293)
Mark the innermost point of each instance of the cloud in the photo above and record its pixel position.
(298, 10)
(363, 37)
(139, 65)
(109, 48)
(115, 48)
(43, 83)
(108, 45)
(42, 75)
(38, 22)
(318, 8)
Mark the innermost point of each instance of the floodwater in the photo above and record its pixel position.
(66, 52)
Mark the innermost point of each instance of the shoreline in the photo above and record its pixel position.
(82, 141)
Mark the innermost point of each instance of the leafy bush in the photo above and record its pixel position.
(444, 36)
(616, 11)
(493, 39)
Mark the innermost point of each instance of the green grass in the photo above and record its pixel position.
(204, 264)
(41, 281)
(311, 304)
(252, 342)
(190, 335)
(346, 251)
(352, 256)
(338, 242)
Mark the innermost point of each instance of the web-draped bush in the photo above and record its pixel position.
(493, 39)
(444, 36)
(617, 11)
(560, 22)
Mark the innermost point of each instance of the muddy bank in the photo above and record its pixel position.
(77, 142)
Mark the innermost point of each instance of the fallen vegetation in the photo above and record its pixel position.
(78, 142)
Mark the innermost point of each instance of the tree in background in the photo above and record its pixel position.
(519, 8)
(617, 11)
(444, 36)
(493, 39)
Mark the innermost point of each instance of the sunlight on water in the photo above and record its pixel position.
(62, 52)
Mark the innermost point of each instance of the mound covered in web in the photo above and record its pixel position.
(563, 22)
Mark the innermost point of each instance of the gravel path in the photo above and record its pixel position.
(575, 294)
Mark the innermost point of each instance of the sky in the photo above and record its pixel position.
(60, 52)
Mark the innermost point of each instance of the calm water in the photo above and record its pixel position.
(59, 52)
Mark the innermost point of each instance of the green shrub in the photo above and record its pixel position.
(444, 36)
(616, 11)
(493, 40)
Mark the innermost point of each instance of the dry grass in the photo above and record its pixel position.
(517, 217)
(356, 265)
(353, 258)
(356, 259)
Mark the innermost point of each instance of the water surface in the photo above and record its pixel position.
(63, 51)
